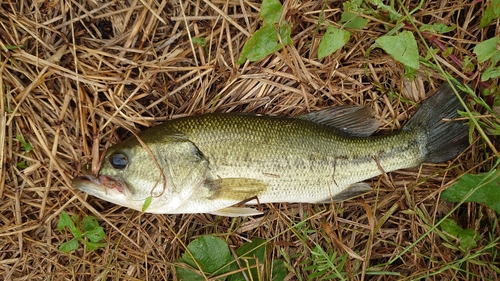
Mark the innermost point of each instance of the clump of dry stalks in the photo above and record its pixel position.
(76, 76)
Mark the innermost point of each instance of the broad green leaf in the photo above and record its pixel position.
(350, 20)
(401, 47)
(467, 237)
(89, 223)
(486, 192)
(486, 49)
(211, 254)
(69, 246)
(185, 274)
(265, 41)
(495, 58)
(95, 235)
(65, 220)
(146, 204)
(250, 252)
(333, 40)
(492, 12)
(270, 11)
(491, 72)
(279, 271)
(93, 246)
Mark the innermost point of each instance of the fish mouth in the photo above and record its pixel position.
(92, 184)
(109, 189)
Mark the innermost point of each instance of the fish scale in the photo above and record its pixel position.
(313, 159)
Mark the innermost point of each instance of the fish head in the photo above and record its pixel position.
(169, 171)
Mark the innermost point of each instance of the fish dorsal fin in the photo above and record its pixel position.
(352, 120)
(351, 191)
(238, 189)
(236, 212)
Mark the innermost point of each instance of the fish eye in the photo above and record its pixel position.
(118, 160)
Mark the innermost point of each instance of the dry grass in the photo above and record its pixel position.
(86, 72)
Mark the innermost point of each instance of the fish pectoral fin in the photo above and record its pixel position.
(356, 121)
(238, 189)
(351, 191)
(236, 212)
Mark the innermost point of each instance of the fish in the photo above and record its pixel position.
(222, 163)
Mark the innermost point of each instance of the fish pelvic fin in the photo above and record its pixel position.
(444, 140)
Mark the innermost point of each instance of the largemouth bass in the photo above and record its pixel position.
(209, 163)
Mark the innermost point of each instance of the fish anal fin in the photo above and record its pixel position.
(356, 121)
(353, 190)
(236, 212)
(238, 189)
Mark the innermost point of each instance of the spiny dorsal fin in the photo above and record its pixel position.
(352, 120)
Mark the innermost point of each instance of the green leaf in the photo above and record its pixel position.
(393, 14)
(69, 246)
(491, 72)
(186, 274)
(199, 41)
(11, 47)
(65, 220)
(333, 40)
(26, 146)
(146, 204)
(270, 11)
(211, 254)
(496, 56)
(401, 47)
(350, 20)
(279, 271)
(467, 65)
(22, 165)
(410, 72)
(492, 12)
(89, 223)
(437, 28)
(353, 6)
(486, 192)
(250, 252)
(95, 235)
(93, 246)
(264, 42)
(430, 53)
(486, 49)
(467, 237)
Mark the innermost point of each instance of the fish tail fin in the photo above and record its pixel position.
(444, 139)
